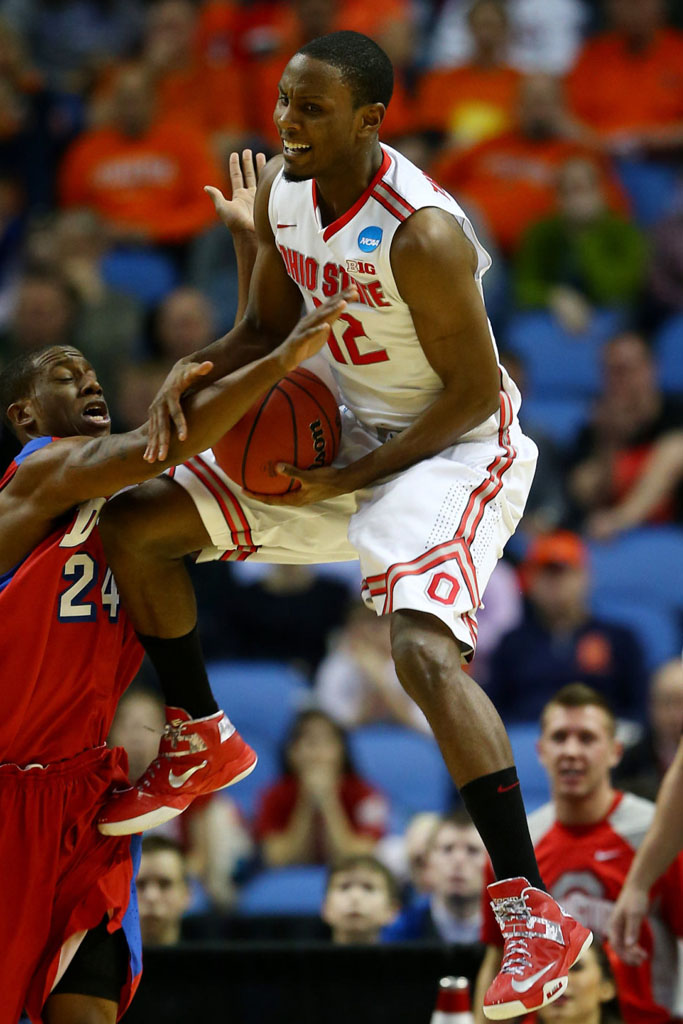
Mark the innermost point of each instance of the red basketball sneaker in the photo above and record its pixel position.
(196, 756)
(541, 944)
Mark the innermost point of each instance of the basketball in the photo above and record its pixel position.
(297, 422)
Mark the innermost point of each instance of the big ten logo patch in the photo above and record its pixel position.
(443, 588)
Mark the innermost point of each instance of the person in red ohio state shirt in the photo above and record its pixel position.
(320, 810)
(585, 841)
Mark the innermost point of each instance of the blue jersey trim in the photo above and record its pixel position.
(131, 919)
(31, 447)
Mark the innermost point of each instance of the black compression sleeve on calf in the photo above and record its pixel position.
(179, 663)
(495, 805)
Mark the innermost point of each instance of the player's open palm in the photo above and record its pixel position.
(624, 926)
(238, 213)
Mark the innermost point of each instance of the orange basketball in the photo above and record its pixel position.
(297, 422)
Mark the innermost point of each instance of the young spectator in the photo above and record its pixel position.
(581, 257)
(144, 175)
(627, 83)
(406, 855)
(644, 765)
(320, 809)
(163, 891)
(627, 465)
(356, 683)
(211, 837)
(585, 840)
(454, 871)
(559, 641)
(591, 996)
(361, 898)
(511, 177)
(475, 100)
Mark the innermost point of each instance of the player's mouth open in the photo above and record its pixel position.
(97, 412)
(294, 148)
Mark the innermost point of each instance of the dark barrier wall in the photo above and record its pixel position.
(295, 984)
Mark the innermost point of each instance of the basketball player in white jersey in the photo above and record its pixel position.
(430, 483)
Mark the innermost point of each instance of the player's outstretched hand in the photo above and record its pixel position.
(311, 332)
(166, 407)
(238, 213)
(624, 926)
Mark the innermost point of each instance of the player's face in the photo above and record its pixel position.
(315, 119)
(577, 749)
(67, 399)
(455, 862)
(358, 902)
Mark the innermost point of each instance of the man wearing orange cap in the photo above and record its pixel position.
(560, 641)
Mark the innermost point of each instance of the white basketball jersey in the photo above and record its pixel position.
(381, 370)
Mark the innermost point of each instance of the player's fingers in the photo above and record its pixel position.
(631, 930)
(287, 470)
(216, 196)
(235, 172)
(248, 168)
(260, 163)
(152, 450)
(193, 371)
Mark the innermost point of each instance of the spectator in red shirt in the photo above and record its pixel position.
(585, 841)
(320, 810)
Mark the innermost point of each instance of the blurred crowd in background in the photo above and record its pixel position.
(558, 124)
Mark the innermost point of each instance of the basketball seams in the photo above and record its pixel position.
(332, 429)
(251, 434)
(295, 433)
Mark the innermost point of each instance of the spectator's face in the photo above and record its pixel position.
(316, 17)
(417, 838)
(558, 590)
(666, 701)
(137, 726)
(636, 17)
(579, 193)
(133, 104)
(185, 323)
(358, 904)
(488, 27)
(629, 369)
(43, 315)
(587, 990)
(163, 896)
(317, 746)
(170, 32)
(577, 749)
(455, 862)
(540, 106)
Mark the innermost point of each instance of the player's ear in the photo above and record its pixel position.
(21, 414)
(372, 115)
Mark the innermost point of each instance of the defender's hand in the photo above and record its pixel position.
(166, 406)
(312, 331)
(625, 923)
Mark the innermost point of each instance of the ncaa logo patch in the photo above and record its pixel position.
(369, 238)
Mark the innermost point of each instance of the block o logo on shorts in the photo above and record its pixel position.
(369, 238)
(443, 588)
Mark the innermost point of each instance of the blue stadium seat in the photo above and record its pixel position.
(559, 364)
(650, 186)
(292, 890)
(145, 274)
(406, 766)
(247, 792)
(260, 697)
(669, 348)
(559, 419)
(644, 565)
(658, 628)
(535, 789)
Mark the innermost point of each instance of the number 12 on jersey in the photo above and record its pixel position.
(354, 330)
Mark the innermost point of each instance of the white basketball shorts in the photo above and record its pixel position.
(427, 538)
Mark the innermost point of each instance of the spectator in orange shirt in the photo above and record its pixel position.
(143, 175)
(511, 178)
(627, 84)
(476, 100)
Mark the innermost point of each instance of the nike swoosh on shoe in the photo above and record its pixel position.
(176, 781)
(524, 986)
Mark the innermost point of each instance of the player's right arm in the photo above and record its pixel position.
(663, 841)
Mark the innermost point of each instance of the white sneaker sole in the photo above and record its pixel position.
(552, 990)
(160, 815)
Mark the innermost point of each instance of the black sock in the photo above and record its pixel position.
(495, 805)
(180, 666)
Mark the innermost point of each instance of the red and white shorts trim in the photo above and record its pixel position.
(428, 539)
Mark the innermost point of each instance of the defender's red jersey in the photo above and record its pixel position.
(584, 868)
(67, 648)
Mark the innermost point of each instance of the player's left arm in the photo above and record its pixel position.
(434, 266)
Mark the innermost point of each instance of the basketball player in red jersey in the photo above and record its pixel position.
(432, 475)
(586, 839)
(68, 929)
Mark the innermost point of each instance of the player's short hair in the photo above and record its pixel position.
(364, 66)
(580, 695)
(16, 380)
(370, 863)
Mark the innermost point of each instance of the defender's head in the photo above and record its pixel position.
(332, 98)
(53, 392)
